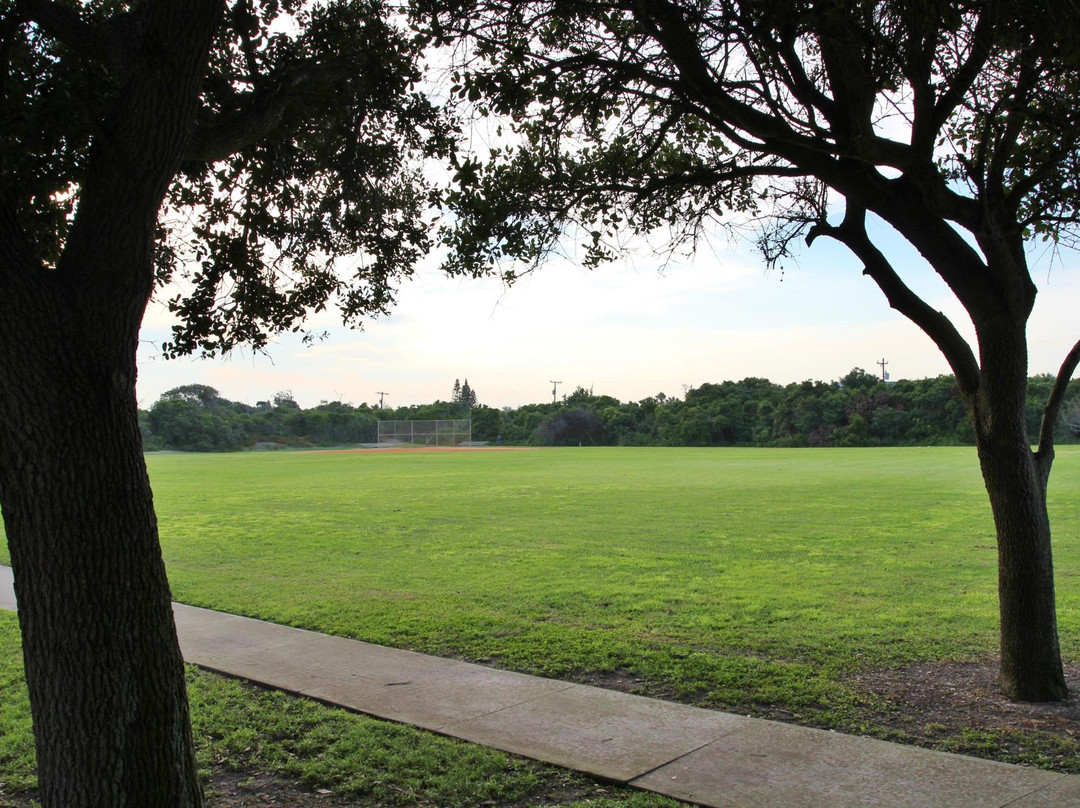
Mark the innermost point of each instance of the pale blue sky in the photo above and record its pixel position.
(625, 330)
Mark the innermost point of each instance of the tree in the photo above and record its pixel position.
(859, 379)
(195, 418)
(463, 396)
(197, 141)
(283, 399)
(468, 396)
(954, 123)
(200, 394)
(486, 423)
(184, 425)
(937, 411)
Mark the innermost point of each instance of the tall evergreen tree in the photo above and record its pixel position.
(468, 396)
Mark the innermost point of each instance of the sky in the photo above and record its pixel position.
(629, 330)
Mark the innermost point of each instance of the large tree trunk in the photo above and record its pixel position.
(102, 661)
(1016, 480)
(103, 665)
(1031, 667)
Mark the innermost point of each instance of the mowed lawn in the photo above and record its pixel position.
(728, 576)
(762, 581)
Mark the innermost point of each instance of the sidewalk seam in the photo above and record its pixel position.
(1036, 791)
(569, 686)
(677, 758)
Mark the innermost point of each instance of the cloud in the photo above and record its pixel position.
(627, 330)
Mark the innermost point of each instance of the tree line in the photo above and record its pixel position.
(858, 409)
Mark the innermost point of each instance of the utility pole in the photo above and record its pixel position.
(884, 375)
(554, 389)
(380, 394)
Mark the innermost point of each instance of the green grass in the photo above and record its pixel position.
(16, 736)
(752, 580)
(733, 576)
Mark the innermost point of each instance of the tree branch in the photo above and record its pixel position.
(1016, 108)
(64, 24)
(243, 21)
(260, 112)
(706, 177)
(216, 142)
(146, 122)
(852, 234)
(666, 23)
(962, 80)
(802, 86)
(1052, 410)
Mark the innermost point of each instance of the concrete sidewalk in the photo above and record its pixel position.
(701, 756)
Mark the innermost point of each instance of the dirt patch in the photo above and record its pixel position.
(240, 790)
(235, 790)
(621, 680)
(966, 695)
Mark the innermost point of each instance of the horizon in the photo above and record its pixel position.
(630, 330)
(561, 396)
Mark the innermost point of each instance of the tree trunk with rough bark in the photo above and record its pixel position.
(1016, 482)
(1031, 668)
(103, 666)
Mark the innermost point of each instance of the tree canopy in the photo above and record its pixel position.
(308, 138)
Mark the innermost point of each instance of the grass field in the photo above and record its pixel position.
(752, 580)
(700, 566)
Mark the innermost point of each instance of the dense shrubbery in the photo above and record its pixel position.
(857, 410)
